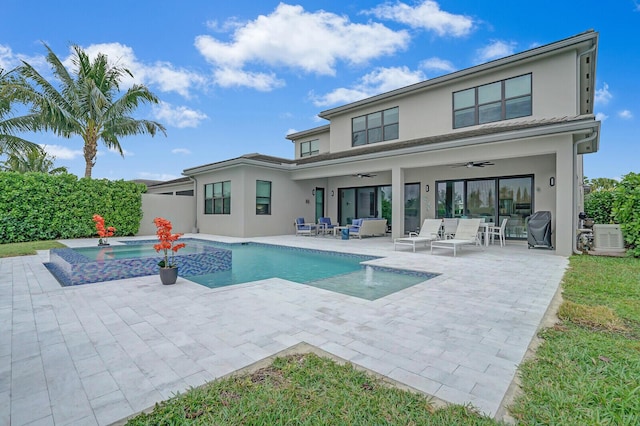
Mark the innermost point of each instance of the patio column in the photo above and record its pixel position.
(397, 202)
(565, 180)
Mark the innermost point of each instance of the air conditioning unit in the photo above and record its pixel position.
(608, 238)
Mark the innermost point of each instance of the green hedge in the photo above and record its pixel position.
(39, 206)
(626, 210)
(598, 206)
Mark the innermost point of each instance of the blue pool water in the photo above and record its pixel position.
(338, 272)
(130, 251)
(239, 263)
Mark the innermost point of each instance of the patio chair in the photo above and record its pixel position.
(325, 224)
(429, 232)
(499, 231)
(450, 224)
(354, 228)
(466, 234)
(303, 228)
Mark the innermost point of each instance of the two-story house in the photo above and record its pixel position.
(498, 140)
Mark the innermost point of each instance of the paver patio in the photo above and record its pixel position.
(93, 354)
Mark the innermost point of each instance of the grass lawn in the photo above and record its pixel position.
(26, 249)
(305, 390)
(587, 371)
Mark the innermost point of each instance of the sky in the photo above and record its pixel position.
(235, 77)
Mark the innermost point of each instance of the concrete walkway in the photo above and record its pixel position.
(93, 354)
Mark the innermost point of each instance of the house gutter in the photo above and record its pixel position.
(574, 224)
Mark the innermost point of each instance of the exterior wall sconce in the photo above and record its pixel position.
(332, 193)
(426, 188)
(313, 192)
(552, 181)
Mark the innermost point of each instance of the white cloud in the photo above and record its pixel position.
(10, 60)
(161, 74)
(292, 37)
(426, 15)
(603, 96)
(234, 77)
(625, 114)
(496, 49)
(601, 116)
(290, 131)
(62, 152)
(437, 64)
(184, 151)
(177, 116)
(157, 176)
(378, 81)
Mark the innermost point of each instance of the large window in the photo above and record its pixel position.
(217, 198)
(493, 199)
(263, 197)
(497, 101)
(309, 148)
(375, 127)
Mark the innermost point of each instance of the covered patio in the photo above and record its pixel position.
(96, 353)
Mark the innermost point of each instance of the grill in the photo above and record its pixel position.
(539, 230)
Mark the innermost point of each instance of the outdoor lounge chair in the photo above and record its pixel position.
(428, 232)
(325, 224)
(303, 228)
(466, 234)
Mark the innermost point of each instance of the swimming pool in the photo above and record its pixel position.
(243, 263)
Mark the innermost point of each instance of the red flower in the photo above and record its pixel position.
(103, 232)
(167, 240)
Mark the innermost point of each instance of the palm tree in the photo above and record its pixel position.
(9, 142)
(32, 161)
(86, 104)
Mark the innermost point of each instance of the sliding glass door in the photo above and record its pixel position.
(493, 199)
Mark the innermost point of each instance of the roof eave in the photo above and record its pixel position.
(576, 127)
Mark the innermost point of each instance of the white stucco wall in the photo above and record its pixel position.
(179, 209)
(429, 112)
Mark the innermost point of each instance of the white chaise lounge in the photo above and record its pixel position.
(466, 234)
(429, 232)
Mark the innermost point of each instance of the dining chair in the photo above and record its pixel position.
(499, 231)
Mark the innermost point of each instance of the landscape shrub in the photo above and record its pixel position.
(39, 206)
(598, 206)
(626, 211)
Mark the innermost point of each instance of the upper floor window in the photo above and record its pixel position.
(217, 198)
(263, 197)
(309, 148)
(497, 101)
(375, 127)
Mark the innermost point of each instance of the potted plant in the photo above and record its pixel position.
(167, 243)
(103, 232)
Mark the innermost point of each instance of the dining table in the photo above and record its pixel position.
(486, 228)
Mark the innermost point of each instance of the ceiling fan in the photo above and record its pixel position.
(471, 164)
(363, 175)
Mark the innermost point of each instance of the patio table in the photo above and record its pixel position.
(486, 226)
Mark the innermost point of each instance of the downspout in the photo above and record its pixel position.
(574, 225)
(195, 229)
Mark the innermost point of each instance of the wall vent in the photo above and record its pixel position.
(607, 238)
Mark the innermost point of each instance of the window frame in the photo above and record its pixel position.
(503, 103)
(310, 151)
(266, 212)
(378, 132)
(217, 197)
